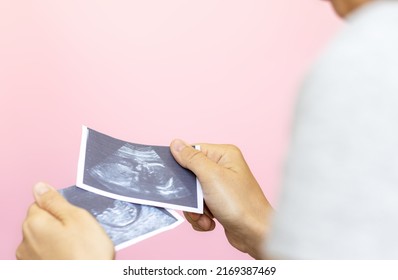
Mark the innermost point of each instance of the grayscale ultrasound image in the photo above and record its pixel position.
(137, 171)
(122, 221)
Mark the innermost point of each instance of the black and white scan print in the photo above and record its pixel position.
(125, 223)
(136, 173)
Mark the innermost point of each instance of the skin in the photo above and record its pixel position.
(345, 7)
(230, 191)
(55, 229)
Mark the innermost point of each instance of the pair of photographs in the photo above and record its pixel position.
(132, 190)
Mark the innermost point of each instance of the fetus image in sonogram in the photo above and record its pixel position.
(122, 221)
(140, 172)
(120, 214)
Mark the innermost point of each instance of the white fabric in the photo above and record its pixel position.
(339, 199)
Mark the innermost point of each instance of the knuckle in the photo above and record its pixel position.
(25, 226)
(232, 151)
(233, 148)
(31, 209)
(194, 157)
(31, 224)
(19, 252)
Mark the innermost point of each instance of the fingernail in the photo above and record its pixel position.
(41, 188)
(179, 145)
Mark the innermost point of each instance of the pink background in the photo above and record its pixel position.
(147, 72)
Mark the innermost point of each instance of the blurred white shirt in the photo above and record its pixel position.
(339, 198)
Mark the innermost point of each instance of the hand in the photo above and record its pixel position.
(55, 229)
(231, 193)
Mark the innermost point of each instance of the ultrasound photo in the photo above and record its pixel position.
(136, 173)
(125, 223)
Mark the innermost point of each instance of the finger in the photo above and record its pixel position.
(206, 223)
(222, 153)
(36, 219)
(35, 222)
(200, 221)
(215, 152)
(197, 228)
(20, 252)
(25, 252)
(192, 159)
(33, 209)
(191, 217)
(48, 199)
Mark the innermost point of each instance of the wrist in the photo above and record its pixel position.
(259, 229)
(250, 236)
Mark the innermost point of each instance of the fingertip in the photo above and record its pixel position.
(41, 188)
(178, 145)
(192, 217)
(199, 228)
(205, 223)
(51, 201)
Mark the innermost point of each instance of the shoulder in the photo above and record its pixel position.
(368, 43)
(357, 72)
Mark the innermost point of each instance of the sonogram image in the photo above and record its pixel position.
(124, 222)
(137, 173)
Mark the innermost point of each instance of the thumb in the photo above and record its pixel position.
(51, 200)
(192, 159)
